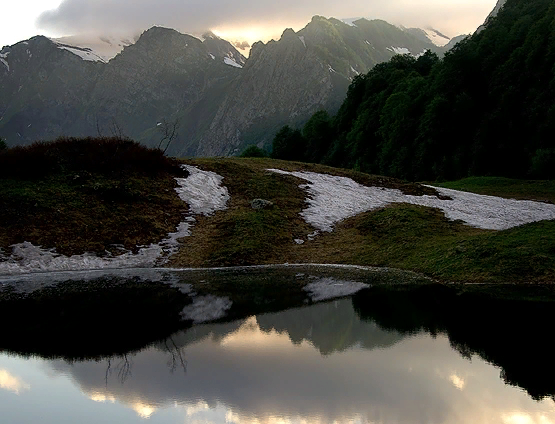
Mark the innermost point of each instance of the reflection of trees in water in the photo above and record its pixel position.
(174, 346)
(122, 365)
(177, 355)
(514, 335)
(75, 319)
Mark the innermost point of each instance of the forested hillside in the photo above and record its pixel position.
(486, 108)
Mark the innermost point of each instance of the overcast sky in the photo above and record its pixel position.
(238, 19)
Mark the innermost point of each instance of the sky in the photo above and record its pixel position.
(237, 20)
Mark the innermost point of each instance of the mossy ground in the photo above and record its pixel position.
(88, 196)
(122, 201)
(401, 236)
(541, 190)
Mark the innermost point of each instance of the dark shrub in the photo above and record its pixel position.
(106, 155)
(289, 144)
(543, 164)
(253, 152)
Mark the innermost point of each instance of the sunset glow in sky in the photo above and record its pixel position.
(248, 20)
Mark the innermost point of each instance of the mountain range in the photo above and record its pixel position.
(222, 100)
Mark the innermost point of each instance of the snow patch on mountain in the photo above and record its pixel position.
(3, 57)
(301, 37)
(332, 199)
(229, 61)
(436, 37)
(101, 49)
(350, 21)
(84, 53)
(399, 50)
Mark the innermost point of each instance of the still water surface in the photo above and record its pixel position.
(317, 364)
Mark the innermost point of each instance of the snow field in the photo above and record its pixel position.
(332, 199)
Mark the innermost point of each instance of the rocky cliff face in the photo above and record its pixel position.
(162, 75)
(42, 89)
(286, 81)
(493, 14)
(222, 100)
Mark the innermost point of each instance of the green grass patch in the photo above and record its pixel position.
(541, 190)
(423, 240)
(402, 236)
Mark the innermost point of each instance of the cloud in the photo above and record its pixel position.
(12, 383)
(195, 16)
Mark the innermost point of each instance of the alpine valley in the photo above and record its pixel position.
(222, 100)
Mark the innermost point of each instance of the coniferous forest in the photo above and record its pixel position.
(486, 108)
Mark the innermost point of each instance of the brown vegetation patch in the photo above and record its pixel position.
(91, 195)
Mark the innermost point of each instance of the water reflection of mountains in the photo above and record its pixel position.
(221, 363)
(512, 334)
(329, 327)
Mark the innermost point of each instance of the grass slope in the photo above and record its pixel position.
(542, 190)
(87, 195)
(403, 236)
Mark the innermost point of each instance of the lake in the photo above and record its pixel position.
(418, 355)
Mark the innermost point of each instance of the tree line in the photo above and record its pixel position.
(486, 108)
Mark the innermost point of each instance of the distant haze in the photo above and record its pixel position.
(250, 20)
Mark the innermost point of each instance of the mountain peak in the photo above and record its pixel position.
(209, 35)
(288, 33)
(157, 31)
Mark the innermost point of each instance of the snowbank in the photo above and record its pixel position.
(333, 199)
(331, 288)
(201, 190)
(206, 308)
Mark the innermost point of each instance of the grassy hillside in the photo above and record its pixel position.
(401, 235)
(100, 195)
(87, 195)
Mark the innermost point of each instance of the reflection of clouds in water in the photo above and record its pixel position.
(12, 383)
(142, 410)
(100, 397)
(523, 418)
(457, 381)
(239, 372)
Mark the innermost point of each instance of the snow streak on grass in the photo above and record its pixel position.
(333, 199)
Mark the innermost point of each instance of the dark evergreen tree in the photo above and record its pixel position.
(319, 135)
(253, 152)
(289, 144)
